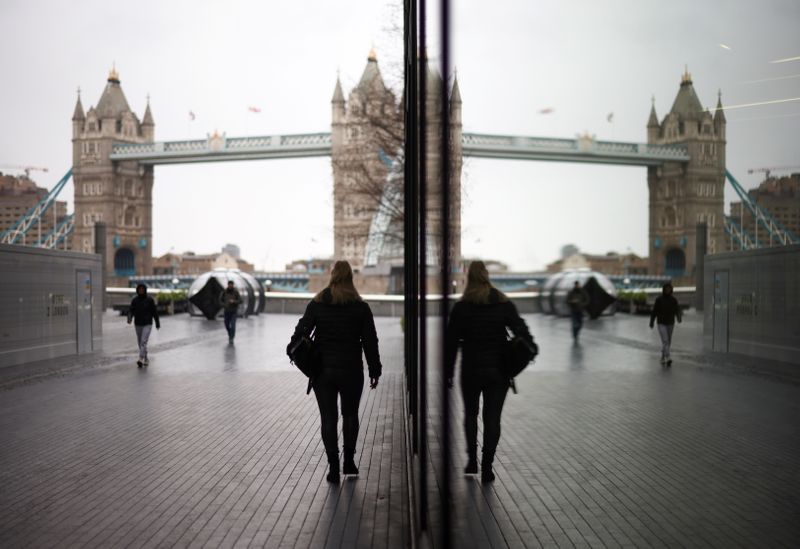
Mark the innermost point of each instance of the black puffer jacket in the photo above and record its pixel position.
(481, 331)
(665, 310)
(340, 333)
(143, 311)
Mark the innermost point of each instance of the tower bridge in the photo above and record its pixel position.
(114, 155)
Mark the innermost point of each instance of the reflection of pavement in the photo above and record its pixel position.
(604, 447)
(210, 445)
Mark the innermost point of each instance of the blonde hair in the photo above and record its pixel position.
(479, 288)
(341, 285)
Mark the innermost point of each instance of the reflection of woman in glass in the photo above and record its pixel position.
(342, 324)
(478, 323)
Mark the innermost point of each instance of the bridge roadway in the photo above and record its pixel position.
(221, 148)
(218, 446)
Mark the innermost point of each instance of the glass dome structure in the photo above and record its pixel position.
(206, 288)
(602, 293)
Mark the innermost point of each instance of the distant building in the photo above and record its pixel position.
(232, 249)
(312, 266)
(568, 250)
(18, 194)
(611, 263)
(492, 265)
(189, 263)
(780, 196)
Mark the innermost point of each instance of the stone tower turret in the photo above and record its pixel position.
(118, 194)
(685, 194)
(366, 134)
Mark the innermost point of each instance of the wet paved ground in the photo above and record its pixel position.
(210, 445)
(217, 446)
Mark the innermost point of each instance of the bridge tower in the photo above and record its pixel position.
(118, 194)
(366, 134)
(685, 194)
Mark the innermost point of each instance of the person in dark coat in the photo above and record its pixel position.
(665, 310)
(143, 311)
(230, 301)
(342, 325)
(478, 323)
(577, 300)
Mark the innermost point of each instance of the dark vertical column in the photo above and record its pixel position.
(100, 248)
(701, 244)
(422, 159)
(411, 197)
(444, 148)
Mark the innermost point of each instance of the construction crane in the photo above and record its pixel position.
(768, 171)
(26, 169)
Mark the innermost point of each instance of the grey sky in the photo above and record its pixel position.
(584, 59)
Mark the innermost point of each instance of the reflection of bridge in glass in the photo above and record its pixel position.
(218, 148)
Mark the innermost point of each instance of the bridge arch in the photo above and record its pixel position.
(675, 262)
(124, 262)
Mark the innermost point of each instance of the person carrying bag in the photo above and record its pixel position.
(478, 324)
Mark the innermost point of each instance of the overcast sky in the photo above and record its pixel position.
(583, 59)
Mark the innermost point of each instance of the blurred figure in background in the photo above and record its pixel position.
(143, 311)
(230, 300)
(578, 300)
(665, 310)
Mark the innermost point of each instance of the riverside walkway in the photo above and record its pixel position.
(218, 446)
(211, 445)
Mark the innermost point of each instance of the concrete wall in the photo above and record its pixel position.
(38, 303)
(763, 302)
(384, 305)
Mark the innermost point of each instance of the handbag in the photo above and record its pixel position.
(302, 353)
(518, 354)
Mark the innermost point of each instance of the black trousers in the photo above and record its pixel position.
(328, 386)
(493, 385)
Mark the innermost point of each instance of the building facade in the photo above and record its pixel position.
(18, 194)
(780, 196)
(117, 194)
(190, 263)
(367, 134)
(612, 263)
(685, 194)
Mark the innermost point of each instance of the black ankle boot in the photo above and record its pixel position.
(333, 467)
(472, 463)
(487, 474)
(349, 465)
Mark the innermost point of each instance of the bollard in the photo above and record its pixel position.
(100, 247)
(701, 243)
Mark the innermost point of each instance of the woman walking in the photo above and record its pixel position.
(342, 325)
(478, 324)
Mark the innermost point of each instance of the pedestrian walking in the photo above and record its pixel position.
(665, 311)
(478, 324)
(230, 301)
(143, 312)
(342, 325)
(577, 300)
